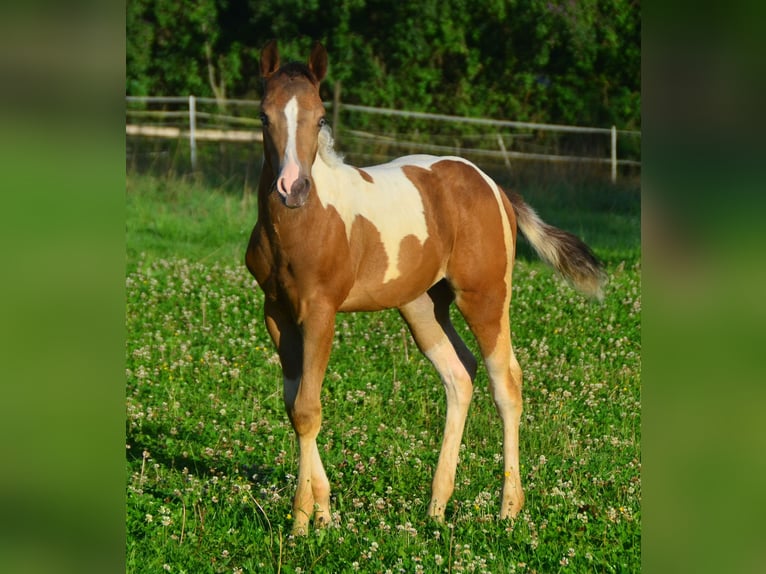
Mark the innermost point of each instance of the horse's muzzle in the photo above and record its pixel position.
(298, 193)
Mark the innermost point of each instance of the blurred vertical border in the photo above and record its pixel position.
(704, 287)
(62, 174)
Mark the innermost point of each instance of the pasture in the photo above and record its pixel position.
(211, 456)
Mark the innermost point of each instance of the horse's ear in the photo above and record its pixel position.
(318, 61)
(269, 59)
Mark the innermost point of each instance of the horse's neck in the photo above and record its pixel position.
(325, 164)
(326, 150)
(265, 184)
(334, 180)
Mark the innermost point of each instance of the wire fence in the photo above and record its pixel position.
(224, 138)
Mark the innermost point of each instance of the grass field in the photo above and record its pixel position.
(211, 457)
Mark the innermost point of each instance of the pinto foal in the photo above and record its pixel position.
(415, 234)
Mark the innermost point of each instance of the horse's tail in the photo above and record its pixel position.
(565, 252)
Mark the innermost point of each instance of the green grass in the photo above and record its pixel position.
(168, 217)
(211, 456)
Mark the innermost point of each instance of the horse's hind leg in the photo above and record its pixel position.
(428, 319)
(487, 316)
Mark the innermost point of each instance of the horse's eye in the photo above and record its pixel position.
(322, 122)
(264, 119)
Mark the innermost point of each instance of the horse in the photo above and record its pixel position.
(416, 234)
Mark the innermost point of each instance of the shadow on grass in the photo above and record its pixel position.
(257, 473)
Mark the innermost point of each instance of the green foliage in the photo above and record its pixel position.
(179, 49)
(555, 61)
(211, 456)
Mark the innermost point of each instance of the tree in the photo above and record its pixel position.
(558, 61)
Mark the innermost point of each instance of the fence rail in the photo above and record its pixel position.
(484, 121)
(243, 129)
(173, 132)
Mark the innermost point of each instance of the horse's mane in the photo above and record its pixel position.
(296, 70)
(326, 148)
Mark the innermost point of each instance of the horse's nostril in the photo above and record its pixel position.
(299, 192)
(300, 186)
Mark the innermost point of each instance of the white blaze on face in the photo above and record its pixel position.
(290, 167)
(392, 203)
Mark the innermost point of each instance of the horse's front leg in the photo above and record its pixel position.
(304, 351)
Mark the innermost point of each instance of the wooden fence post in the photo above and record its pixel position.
(192, 128)
(336, 113)
(505, 153)
(614, 154)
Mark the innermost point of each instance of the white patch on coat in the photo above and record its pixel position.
(391, 203)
